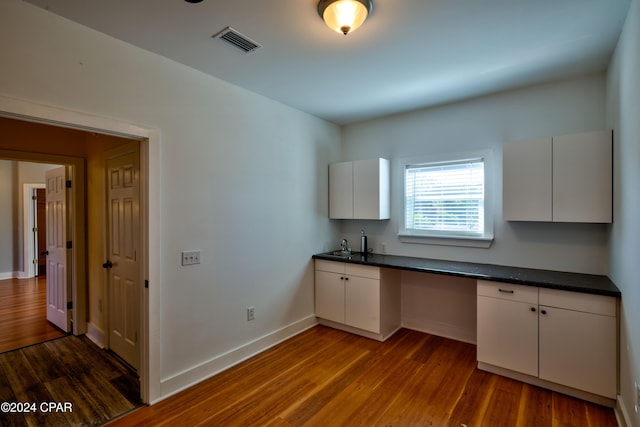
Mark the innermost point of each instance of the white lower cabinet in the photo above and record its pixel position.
(560, 337)
(508, 326)
(358, 298)
(578, 341)
(330, 296)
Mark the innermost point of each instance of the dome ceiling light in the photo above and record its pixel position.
(344, 16)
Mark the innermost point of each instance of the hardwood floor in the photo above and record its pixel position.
(324, 377)
(71, 369)
(23, 315)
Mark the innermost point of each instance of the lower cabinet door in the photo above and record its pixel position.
(578, 350)
(330, 296)
(362, 301)
(508, 334)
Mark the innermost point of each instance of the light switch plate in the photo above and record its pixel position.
(190, 257)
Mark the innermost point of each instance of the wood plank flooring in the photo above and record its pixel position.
(324, 377)
(23, 313)
(70, 369)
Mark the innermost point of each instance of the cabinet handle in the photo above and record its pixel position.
(346, 278)
(543, 311)
(505, 291)
(533, 309)
(341, 278)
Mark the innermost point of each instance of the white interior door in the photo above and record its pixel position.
(123, 264)
(57, 271)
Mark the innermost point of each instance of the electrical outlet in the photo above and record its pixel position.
(251, 313)
(190, 257)
(383, 248)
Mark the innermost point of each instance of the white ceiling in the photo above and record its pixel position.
(408, 54)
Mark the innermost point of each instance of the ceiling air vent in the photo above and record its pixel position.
(238, 40)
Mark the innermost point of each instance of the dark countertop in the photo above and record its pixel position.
(577, 282)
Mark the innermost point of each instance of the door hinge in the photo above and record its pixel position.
(35, 229)
(68, 183)
(69, 245)
(146, 284)
(34, 198)
(69, 305)
(35, 261)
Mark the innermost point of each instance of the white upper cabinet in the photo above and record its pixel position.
(582, 177)
(527, 183)
(341, 190)
(561, 179)
(359, 189)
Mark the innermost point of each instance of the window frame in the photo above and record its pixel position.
(483, 240)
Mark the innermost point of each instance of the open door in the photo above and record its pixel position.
(123, 264)
(57, 271)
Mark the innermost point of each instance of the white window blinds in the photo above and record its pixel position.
(445, 198)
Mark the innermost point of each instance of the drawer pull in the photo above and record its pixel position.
(533, 309)
(505, 291)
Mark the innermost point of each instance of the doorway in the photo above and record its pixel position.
(34, 226)
(40, 230)
(17, 110)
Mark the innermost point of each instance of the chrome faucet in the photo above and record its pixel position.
(344, 246)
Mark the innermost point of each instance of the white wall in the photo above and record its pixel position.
(243, 179)
(446, 306)
(13, 176)
(623, 112)
(8, 220)
(486, 123)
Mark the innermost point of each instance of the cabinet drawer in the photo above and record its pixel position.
(588, 303)
(508, 291)
(362, 271)
(330, 266)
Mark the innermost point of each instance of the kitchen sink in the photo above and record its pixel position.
(341, 254)
(344, 254)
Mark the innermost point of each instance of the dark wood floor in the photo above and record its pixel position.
(23, 313)
(69, 370)
(40, 363)
(324, 377)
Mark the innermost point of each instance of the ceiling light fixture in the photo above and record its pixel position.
(344, 16)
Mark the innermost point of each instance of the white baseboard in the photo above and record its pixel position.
(96, 335)
(10, 275)
(190, 377)
(357, 331)
(622, 415)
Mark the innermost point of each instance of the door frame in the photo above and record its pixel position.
(29, 268)
(150, 378)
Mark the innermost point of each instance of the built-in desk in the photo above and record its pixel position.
(575, 282)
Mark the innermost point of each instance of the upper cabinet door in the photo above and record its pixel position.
(582, 177)
(341, 190)
(527, 180)
(561, 179)
(371, 189)
(359, 190)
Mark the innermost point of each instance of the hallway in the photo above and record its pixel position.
(23, 313)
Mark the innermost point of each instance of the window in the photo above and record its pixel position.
(445, 202)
